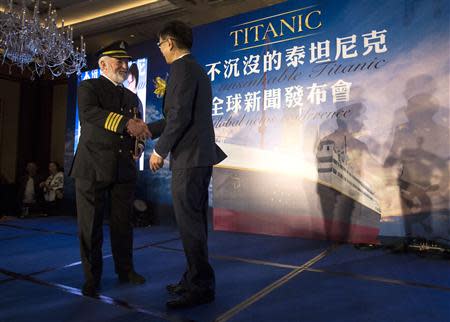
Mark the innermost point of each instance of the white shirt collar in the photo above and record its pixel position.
(115, 84)
(185, 54)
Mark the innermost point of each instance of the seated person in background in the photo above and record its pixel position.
(53, 187)
(28, 190)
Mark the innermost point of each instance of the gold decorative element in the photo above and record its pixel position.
(160, 86)
(112, 121)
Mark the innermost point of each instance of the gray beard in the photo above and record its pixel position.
(119, 78)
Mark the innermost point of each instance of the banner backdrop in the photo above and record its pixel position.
(334, 116)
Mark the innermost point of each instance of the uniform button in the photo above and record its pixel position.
(121, 136)
(129, 111)
(121, 109)
(120, 151)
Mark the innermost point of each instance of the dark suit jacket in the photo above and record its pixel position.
(104, 151)
(187, 131)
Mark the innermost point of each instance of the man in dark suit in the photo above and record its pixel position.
(187, 132)
(105, 163)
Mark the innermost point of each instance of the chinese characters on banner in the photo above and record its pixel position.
(293, 57)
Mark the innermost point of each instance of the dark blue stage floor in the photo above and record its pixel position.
(259, 278)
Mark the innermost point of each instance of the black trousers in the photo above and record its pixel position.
(91, 198)
(190, 201)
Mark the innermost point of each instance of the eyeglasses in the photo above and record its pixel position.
(162, 42)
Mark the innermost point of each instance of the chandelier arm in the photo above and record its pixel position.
(36, 44)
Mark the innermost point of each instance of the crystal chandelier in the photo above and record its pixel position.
(36, 44)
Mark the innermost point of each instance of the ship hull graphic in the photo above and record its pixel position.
(286, 195)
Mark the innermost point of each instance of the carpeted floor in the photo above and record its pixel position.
(259, 278)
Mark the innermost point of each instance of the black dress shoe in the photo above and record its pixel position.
(176, 289)
(189, 299)
(90, 289)
(131, 277)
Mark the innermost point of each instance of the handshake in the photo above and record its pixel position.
(138, 129)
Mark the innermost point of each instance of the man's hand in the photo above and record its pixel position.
(155, 162)
(137, 128)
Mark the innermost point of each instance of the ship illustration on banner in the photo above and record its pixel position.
(282, 193)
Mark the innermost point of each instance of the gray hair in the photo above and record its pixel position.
(103, 58)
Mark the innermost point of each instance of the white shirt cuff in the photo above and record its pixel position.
(154, 151)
